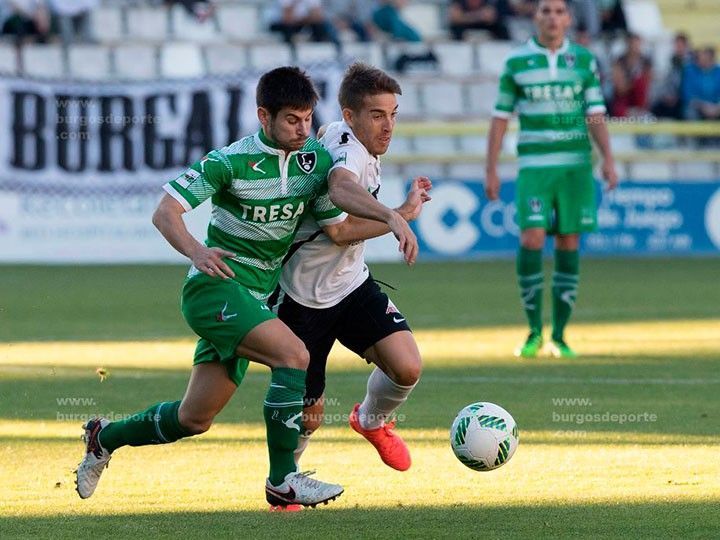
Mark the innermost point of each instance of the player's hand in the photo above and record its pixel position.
(610, 174)
(407, 242)
(210, 261)
(492, 184)
(416, 197)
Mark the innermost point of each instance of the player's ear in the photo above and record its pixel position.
(347, 115)
(264, 116)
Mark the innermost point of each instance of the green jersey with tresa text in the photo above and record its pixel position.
(553, 92)
(259, 195)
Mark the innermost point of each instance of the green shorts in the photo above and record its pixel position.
(558, 199)
(221, 312)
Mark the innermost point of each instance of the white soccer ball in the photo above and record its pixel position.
(484, 436)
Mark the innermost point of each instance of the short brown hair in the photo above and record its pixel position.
(286, 86)
(362, 80)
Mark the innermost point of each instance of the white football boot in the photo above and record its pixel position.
(299, 488)
(96, 459)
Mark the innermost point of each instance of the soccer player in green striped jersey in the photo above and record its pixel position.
(260, 188)
(553, 85)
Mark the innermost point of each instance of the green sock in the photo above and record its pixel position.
(564, 289)
(283, 418)
(530, 279)
(158, 424)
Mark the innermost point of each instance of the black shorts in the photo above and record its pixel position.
(359, 321)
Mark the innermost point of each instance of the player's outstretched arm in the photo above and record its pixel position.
(346, 193)
(168, 220)
(498, 127)
(355, 229)
(599, 132)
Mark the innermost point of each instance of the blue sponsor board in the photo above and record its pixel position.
(670, 218)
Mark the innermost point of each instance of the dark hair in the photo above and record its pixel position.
(287, 86)
(362, 80)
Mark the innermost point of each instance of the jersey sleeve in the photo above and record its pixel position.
(594, 102)
(347, 153)
(201, 181)
(507, 94)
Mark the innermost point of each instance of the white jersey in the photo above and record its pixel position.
(319, 274)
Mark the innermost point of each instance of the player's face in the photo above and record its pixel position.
(552, 19)
(289, 129)
(373, 124)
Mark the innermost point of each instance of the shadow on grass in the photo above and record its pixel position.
(676, 396)
(624, 520)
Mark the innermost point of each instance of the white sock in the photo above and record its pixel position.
(383, 397)
(302, 445)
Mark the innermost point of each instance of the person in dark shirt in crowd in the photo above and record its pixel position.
(487, 15)
(631, 78)
(669, 101)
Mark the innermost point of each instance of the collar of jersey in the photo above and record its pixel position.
(345, 127)
(535, 44)
(267, 146)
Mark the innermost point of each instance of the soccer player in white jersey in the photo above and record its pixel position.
(326, 292)
(260, 187)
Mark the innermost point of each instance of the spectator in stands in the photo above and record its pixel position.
(202, 10)
(631, 79)
(701, 87)
(27, 20)
(487, 15)
(599, 16)
(669, 101)
(73, 18)
(352, 15)
(294, 16)
(387, 18)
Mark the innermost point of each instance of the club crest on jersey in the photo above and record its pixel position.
(307, 161)
(570, 60)
(391, 308)
(535, 205)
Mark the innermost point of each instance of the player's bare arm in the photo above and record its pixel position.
(355, 229)
(498, 127)
(347, 194)
(168, 220)
(597, 126)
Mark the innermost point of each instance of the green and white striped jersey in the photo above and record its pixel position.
(553, 92)
(259, 196)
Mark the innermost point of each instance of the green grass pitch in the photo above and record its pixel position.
(648, 331)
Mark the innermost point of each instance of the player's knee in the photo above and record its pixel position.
(409, 372)
(293, 355)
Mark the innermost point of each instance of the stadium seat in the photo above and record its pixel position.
(147, 24)
(225, 58)
(435, 145)
(239, 22)
(643, 18)
(466, 170)
(696, 171)
(650, 171)
(269, 55)
(43, 60)
(369, 53)
(456, 58)
(8, 59)
(136, 62)
(106, 24)
(473, 144)
(433, 170)
(443, 99)
(90, 62)
(400, 145)
(409, 101)
(179, 60)
(492, 56)
(306, 53)
(186, 27)
(425, 18)
(481, 98)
